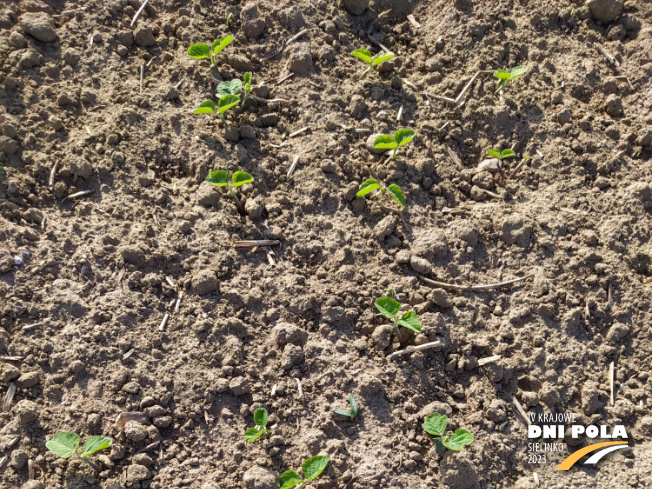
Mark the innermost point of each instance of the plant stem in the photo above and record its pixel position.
(92, 464)
(365, 73)
(238, 204)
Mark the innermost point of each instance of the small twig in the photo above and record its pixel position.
(270, 257)
(3, 461)
(255, 242)
(425, 346)
(293, 165)
(176, 306)
(607, 55)
(413, 21)
(280, 50)
(128, 354)
(486, 360)
(70, 12)
(286, 77)
(455, 158)
(9, 396)
(492, 194)
(376, 20)
(148, 447)
(521, 411)
(10, 358)
(518, 167)
(300, 131)
(164, 322)
(27, 327)
(473, 288)
(268, 101)
(78, 194)
(400, 113)
(299, 387)
(142, 74)
(176, 87)
(52, 173)
(142, 7)
(274, 389)
(611, 382)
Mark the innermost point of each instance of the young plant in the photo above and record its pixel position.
(246, 87)
(391, 309)
(372, 61)
(65, 445)
(203, 51)
(352, 413)
(224, 103)
(435, 425)
(502, 155)
(400, 138)
(260, 418)
(509, 75)
(394, 190)
(220, 178)
(311, 468)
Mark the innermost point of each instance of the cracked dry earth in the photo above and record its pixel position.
(86, 281)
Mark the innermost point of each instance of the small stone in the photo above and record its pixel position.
(125, 38)
(356, 7)
(564, 116)
(292, 356)
(382, 336)
(27, 411)
(421, 265)
(232, 134)
(240, 63)
(81, 167)
(135, 431)
(247, 132)
(8, 372)
(165, 421)
(38, 25)
(370, 145)
(204, 282)
(300, 60)
(403, 257)
(239, 386)
(267, 120)
(16, 40)
(591, 402)
(131, 388)
(253, 208)
(440, 297)
(137, 473)
(18, 459)
(605, 11)
(207, 195)
(33, 484)
(71, 56)
(144, 36)
(397, 83)
(613, 105)
(385, 227)
(284, 333)
(517, 229)
(328, 166)
(645, 139)
(27, 380)
(260, 478)
(496, 411)
(617, 332)
(252, 25)
(7, 145)
(456, 472)
(143, 459)
(358, 106)
(617, 33)
(29, 59)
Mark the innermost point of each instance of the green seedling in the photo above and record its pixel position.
(435, 425)
(246, 87)
(400, 138)
(391, 308)
(203, 51)
(509, 75)
(220, 178)
(224, 103)
(66, 444)
(260, 418)
(393, 190)
(502, 155)
(229, 18)
(311, 468)
(352, 413)
(372, 61)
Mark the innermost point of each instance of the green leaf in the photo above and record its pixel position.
(63, 444)
(410, 320)
(438, 445)
(381, 58)
(247, 77)
(397, 194)
(363, 54)
(502, 74)
(385, 142)
(354, 406)
(457, 440)
(368, 186)
(227, 102)
(314, 466)
(403, 136)
(240, 178)
(517, 71)
(253, 434)
(220, 44)
(229, 88)
(219, 178)
(507, 153)
(95, 443)
(260, 415)
(207, 107)
(494, 152)
(199, 51)
(290, 479)
(343, 412)
(435, 424)
(388, 307)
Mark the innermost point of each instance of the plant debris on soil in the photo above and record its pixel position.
(128, 311)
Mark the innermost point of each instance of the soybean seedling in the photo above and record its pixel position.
(507, 76)
(372, 61)
(352, 413)
(224, 103)
(220, 178)
(502, 155)
(260, 418)
(435, 425)
(400, 138)
(390, 308)
(311, 468)
(203, 51)
(66, 444)
(393, 190)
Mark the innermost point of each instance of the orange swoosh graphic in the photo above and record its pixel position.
(571, 459)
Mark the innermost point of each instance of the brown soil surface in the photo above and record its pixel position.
(86, 281)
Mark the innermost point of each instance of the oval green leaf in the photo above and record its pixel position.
(240, 178)
(368, 186)
(502, 74)
(354, 406)
(95, 443)
(435, 424)
(363, 54)
(507, 153)
(397, 194)
(403, 136)
(289, 479)
(247, 77)
(494, 152)
(410, 320)
(380, 58)
(517, 71)
(388, 307)
(220, 44)
(314, 466)
(385, 142)
(457, 440)
(207, 107)
(229, 88)
(260, 415)
(252, 434)
(199, 51)
(343, 412)
(219, 178)
(227, 102)
(63, 444)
